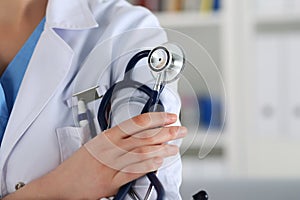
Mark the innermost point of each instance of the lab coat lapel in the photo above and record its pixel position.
(70, 14)
(49, 64)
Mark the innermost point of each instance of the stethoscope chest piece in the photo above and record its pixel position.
(166, 62)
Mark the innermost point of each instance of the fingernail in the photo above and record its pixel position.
(158, 160)
(171, 117)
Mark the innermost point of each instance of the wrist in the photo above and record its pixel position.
(41, 188)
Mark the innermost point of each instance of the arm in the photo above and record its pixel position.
(108, 161)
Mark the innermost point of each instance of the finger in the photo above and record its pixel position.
(154, 136)
(144, 167)
(116, 158)
(137, 170)
(141, 122)
(145, 153)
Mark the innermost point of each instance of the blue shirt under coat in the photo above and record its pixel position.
(12, 77)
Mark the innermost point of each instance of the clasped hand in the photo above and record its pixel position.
(111, 159)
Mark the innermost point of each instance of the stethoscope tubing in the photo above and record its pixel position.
(152, 104)
(103, 112)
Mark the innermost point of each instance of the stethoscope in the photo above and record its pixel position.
(166, 62)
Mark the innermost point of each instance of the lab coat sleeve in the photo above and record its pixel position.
(129, 102)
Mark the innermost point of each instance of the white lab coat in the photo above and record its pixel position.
(75, 52)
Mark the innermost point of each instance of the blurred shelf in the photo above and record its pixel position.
(188, 19)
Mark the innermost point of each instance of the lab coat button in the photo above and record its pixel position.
(19, 185)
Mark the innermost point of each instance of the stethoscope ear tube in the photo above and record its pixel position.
(154, 104)
(104, 108)
(124, 190)
(134, 60)
(103, 118)
(157, 185)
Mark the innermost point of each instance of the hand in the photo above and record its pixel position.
(119, 155)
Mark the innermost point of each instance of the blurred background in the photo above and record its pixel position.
(242, 105)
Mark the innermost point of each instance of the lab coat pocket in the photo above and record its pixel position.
(70, 139)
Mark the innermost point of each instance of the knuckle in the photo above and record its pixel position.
(142, 120)
(152, 133)
(173, 131)
(149, 140)
(142, 150)
(143, 156)
(151, 166)
(154, 136)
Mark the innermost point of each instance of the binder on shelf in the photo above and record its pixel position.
(206, 6)
(210, 112)
(172, 5)
(191, 5)
(153, 5)
(179, 5)
(278, 72)
(293, 82)
(267, 84)
(216, 5)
